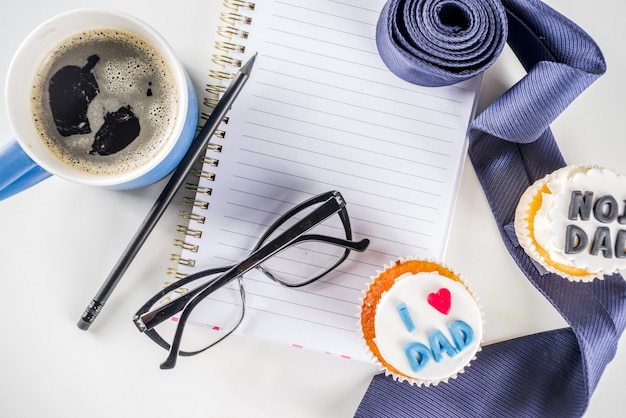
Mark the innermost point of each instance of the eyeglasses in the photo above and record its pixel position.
(303, 245)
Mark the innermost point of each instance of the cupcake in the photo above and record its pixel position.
(572, 222)
(420, 322)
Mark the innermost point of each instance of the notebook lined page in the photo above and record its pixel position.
(321, 112)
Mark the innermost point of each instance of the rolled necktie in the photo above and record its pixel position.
(440, 42)
(551, 373)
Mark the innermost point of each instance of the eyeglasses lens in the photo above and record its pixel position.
(212, 320)
(307, 260)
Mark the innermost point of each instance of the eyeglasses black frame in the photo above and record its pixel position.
(332, 202)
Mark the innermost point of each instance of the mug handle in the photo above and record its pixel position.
(18, 171)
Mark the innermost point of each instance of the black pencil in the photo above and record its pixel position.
(195, 151)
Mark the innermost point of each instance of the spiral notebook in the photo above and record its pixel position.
(321, 112)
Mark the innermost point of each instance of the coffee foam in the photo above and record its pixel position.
(129, 72)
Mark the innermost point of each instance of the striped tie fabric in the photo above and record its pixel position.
(552, 373)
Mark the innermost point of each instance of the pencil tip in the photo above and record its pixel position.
(247, 67)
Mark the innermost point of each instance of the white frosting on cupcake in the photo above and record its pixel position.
(421, 322)
(579, 228)
(446, 331)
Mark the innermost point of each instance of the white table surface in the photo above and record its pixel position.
(59, 240)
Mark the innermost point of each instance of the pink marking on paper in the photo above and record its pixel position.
(328, 353)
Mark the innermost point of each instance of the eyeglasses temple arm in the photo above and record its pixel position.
(153, 318)
(359, 246)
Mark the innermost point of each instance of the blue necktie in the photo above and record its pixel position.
(552, 373)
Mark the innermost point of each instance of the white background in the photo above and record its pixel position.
(58, 241)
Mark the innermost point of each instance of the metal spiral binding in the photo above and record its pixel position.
(174, 274)
(221, 75)
(211, 101)
(239, 4)
(176, 258)
(229, 46)
(215, 89)
(179, 243)
(198, 172)
(233, 30)
(210, 161)
(233, 18)
(230, 32)
(180, 290)
(224, 60)
(196, 189)
(215, 147)
(192, 216)
(196, 203)
(185, 230)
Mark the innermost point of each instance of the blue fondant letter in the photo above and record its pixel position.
(417, 354)
(438, 344)
(406, 316)
(462, 334)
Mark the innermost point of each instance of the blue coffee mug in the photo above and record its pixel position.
(26, 160)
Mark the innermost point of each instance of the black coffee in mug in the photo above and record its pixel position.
(104, 101)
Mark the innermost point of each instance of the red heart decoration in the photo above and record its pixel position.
(440, 300)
